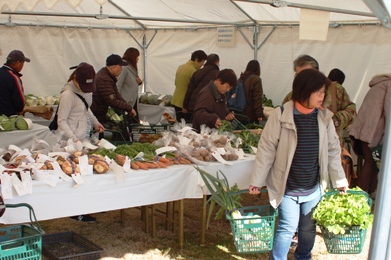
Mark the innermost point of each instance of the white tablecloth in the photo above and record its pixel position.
(25, 138)
(101, 192)
(153, 113)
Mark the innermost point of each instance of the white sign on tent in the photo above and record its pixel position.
(226, 36)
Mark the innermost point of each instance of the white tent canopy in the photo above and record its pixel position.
(57, 34)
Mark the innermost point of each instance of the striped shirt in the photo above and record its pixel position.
(303, 176)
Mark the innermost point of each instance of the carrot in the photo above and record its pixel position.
(162, 159)
(151, 165)
(184, 161)
(170, 163)
(142, 165)
(134, 166)
(162, 164)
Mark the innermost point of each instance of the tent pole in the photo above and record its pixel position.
(381, 228)
(255, 41)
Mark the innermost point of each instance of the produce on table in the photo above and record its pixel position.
(112, 115)
(23, 123)
(339, 212)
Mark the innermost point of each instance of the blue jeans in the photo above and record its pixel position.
(294, 215)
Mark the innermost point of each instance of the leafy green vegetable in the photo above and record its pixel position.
(337, 212)
(226, 126)
(266, 102)
(248, 139)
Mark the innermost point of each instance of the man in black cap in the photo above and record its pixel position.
(106, 93)
(11, 86)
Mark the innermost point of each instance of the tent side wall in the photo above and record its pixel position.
(359, 51)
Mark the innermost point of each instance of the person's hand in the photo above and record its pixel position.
(343, 189)
(218, 123)
(230, 116)
(184, 110)
(139, 81)
(100, 128)
(253, 190)
(133, 112)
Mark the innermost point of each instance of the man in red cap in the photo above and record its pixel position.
(11, 86)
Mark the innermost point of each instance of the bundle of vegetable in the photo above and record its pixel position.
(112, 115)
(248, 139)
(219, 189)
(339, 212)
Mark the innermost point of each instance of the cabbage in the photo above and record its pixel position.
(23, 123)
(49, 100)
(113, 116)
(31, 101)
(3, 117)
(7, 125)
(56, 100)
(41, 101)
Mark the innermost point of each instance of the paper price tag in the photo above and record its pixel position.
(221, 151)
(42, 158)
(6, 186)
(220, 159)
(166, 149)
(126, 166)
(51, 179)
(254, 149)
(85, 168)
(118, 171)
(184, 140)
(27, 182)
(2, 168)
(17, 184)
(240, 153)
(78, 179)
(14, 148)
(90, 146)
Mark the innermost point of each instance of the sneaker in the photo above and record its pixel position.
(84, 218)
(295, 240)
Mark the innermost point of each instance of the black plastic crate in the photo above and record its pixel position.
(69, 245)
(148, 133)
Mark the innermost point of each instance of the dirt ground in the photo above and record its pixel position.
(128, 240)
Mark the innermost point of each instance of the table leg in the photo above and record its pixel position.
(153, 220)
(181, 218)
(203, 220)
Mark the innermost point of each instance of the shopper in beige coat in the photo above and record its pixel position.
(368, 129)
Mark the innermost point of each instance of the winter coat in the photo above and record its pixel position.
(210, 106)
(182, 79)
(127, 84)
(12, 92)
(370, 123)
(198, 81)
(106, 95)
(277, 147)
(254, 93)
(72, 115)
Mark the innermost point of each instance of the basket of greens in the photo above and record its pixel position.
(344, 220)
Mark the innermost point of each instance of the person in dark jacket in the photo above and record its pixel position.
(211, 103)
(106, 93)
(199, 80)
(12, 99)
(253, 89)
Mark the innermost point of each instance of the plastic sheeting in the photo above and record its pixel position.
(359, 51)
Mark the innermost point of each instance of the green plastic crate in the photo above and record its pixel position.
(351, 242)
(255, 234)
(20, 242)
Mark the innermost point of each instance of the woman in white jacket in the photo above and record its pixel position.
(298, 157)
(75, 118)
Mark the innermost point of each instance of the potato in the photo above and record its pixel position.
(120, 159)
(69, 167)
(101, 166)
(93, 157)
(232, 157)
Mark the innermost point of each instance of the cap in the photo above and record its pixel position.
(85, 76)
(17, 55)
(115, 59)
